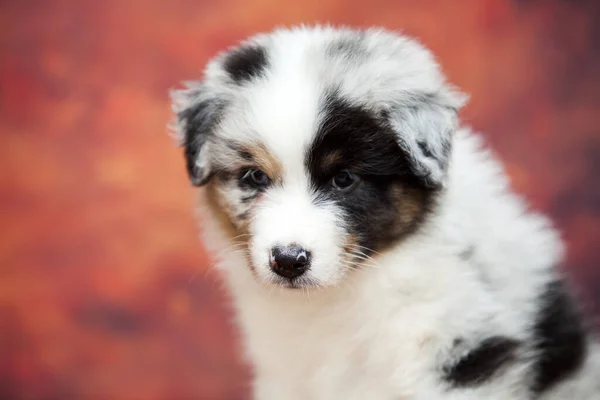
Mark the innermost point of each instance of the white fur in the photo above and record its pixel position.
(381, 331)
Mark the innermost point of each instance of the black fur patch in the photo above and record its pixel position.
(481, 363)
(198, 122)
(389, 201)
(246, 62)
(560, 336)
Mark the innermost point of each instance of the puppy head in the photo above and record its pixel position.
(318, 146)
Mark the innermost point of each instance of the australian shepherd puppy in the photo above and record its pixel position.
(372, 246)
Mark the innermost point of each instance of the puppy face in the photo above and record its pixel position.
(318, 147)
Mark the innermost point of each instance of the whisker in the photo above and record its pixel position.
(357, 246)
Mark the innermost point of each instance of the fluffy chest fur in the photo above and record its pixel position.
(366, 340)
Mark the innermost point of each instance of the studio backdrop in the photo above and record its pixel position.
(105, 290)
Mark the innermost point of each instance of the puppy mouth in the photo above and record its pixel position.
(298, 283)
(290, 284)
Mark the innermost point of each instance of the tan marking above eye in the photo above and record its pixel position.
(264, 160)
(329, 160)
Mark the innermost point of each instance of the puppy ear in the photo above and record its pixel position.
(197, 113)
(425, 124)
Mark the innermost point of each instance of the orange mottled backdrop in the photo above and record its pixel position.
(105, 291)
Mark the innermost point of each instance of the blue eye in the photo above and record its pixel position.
(344, 180)
(256, 178)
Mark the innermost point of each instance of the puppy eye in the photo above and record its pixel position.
(344, 180)
(256, 178)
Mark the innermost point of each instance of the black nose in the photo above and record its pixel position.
(289, 261)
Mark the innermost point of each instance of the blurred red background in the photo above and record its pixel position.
(105, 291)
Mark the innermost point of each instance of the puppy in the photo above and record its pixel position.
(372, 246)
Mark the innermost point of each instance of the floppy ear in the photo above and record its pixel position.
(425, 124)
(197, 113)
